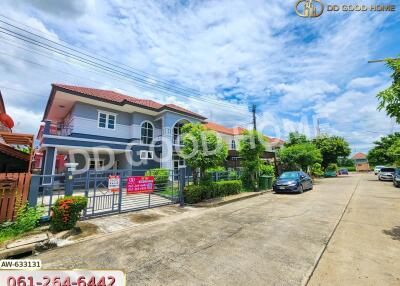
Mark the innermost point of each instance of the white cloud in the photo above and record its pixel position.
(250, 51)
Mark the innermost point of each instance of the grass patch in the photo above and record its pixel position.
(169, 192)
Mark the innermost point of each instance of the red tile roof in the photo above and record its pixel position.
(359, 155)
(121, 99)
(222, 129)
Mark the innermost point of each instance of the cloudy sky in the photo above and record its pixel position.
(233, 53)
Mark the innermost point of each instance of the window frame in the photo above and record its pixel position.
(147, 137)
(233, 144)
(107, 123)
(146, 157)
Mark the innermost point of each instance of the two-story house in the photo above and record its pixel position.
(232, 137)
(361, 162)
(91, 127)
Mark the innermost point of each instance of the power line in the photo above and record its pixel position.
(100, 66)
(142, 85)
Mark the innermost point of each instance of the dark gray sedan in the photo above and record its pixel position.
(293, 182)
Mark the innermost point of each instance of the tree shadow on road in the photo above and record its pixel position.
(394, 233)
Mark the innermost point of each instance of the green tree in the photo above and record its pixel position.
(299, 156)
(202, 149)
(379, 155)
(331, 147)
(295, 138)
(345, 162)
(316, 170)
(389, 99)
(251, 149)
(394, 152)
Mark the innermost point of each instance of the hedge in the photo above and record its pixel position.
(194, 194)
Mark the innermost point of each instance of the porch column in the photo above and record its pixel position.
(48, 163)
(167, 149)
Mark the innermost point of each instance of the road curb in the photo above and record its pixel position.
(221, 203)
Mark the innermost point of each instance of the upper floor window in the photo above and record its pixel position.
(147, 132)
(106, 120)
(233, 145)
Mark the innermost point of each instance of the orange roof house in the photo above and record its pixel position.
(361, 162)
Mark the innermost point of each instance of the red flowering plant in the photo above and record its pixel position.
(66, 212)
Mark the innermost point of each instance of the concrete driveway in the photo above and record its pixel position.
(267, 240)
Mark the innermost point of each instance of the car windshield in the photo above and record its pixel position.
(387, 170)
(397, 171)
(289, 175)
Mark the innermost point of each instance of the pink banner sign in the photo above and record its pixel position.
(140, 184)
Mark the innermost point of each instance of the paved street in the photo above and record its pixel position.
(267, 240)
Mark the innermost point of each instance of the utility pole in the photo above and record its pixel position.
(254, 117)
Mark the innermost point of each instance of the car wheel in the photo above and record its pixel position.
(300, 189)
(311, 187)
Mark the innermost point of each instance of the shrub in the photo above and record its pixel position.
(267, 170)
(227, 188)
(351, 169)
(316, 170)
(233, 175)
(216, 169)
(194, 194)
(27, 219)
(66, 212)
(332, 167)
(160, 175)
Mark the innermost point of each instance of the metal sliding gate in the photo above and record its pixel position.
(102, 201)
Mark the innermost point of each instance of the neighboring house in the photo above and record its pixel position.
(139, 133)
(232, 137)
(361, 162)
(13, 160)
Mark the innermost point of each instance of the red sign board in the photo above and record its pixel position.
(140, 184)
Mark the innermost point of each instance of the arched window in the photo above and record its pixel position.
(146, 133)
(233, 145)
(178, 131)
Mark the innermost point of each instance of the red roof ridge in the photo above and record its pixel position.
(359, 155)
(121, 98)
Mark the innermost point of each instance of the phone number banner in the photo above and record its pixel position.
(140, 184)
(60, 277)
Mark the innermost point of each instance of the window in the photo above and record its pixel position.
(178, 132)
(233, 145)
(147, 132)
(95, 165)
(106, 120)
(144, 154)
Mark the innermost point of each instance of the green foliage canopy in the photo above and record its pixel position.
(251, 149)
(202, 149)
(300, 156)
(331, 147)
(295, 138)
(389, 99)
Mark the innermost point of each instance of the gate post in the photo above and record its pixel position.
(182, 181)
(69, 179)
(33, 190)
